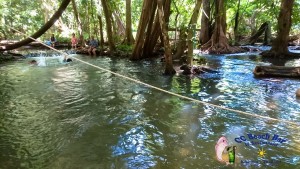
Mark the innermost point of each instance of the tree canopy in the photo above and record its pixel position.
(29, 16)
(106, 20)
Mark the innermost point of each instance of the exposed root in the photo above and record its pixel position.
(279, 55)
(220, 48)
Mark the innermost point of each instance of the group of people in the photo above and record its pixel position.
(91, 43)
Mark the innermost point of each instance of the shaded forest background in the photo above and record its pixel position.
(28, 16)
(143, 26)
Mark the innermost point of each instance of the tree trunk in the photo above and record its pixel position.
(128, 33)
(88, 19)
(77, 18)
(253, 22)
(107, 15)
(267, 38)
(41, 31)
(143, 23)
(218, 44)
(280, 44)
(155, 31)
(204, 33)
(176, 22)
(121, 28)
(169, 70)
(181, 45)
(236, 24)
(191, 31)
(251, 40)
(152, 33)
(222, 9)
(101, 31)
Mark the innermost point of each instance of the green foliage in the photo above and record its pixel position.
(200, 61)
(125, 48)
(29, 16)
(62, 39)
(185, 9)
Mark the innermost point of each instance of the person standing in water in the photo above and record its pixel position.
(74, 41)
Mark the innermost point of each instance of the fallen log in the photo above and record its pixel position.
(276, 71)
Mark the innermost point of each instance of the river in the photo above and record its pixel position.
(69, 116)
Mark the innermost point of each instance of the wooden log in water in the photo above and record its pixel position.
(277, 71)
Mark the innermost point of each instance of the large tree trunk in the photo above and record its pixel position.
(108, 20)
(41, 31)
(155, 31)
(218, 44)
(169, 70)
(236, 24)
(101, 31)
(191, 31)
(128, 33)
(204, 33)
(77, 18)
(280, 44)
(152, 33)
(222, 12)
(143, 23)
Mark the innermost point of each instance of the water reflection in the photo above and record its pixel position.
(73, 116)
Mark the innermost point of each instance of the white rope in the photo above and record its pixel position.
(168, 92)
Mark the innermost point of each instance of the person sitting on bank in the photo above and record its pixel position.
(52, 40)
(81, 42)
(93, 44)
(74, 41)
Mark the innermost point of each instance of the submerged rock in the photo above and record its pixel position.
(33, 62)
(298, 93)
(67, 60)
(8, 56)
(187, 70)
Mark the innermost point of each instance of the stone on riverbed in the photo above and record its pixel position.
(298, 93)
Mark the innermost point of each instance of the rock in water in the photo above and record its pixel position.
(298, 93)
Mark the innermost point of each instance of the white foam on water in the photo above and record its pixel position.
(49, 61)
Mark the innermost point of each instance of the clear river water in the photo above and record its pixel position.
(74, 116)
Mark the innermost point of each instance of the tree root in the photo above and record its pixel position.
(220, 48)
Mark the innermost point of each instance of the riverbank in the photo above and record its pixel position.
(8, 56)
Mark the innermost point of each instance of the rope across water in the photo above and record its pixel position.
(165, 91)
